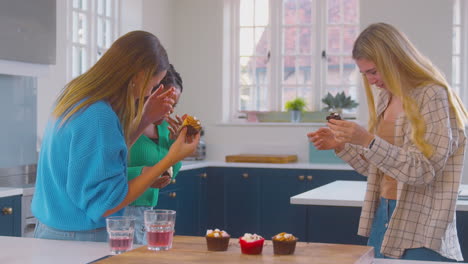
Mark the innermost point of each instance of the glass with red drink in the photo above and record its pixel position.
(159, 226)
(120, 230)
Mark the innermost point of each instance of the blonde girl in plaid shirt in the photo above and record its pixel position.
(426, 159)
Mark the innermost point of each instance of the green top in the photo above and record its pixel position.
(144, 153)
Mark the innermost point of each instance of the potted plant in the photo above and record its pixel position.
(296, 107)
(338, 102)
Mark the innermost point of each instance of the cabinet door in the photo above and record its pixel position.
(10, 216)
(462, 229)
(242, 214)
(277, 213)
(187, 198)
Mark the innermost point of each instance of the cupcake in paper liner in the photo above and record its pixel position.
(217, 240)
(251, 244)
(284, 244)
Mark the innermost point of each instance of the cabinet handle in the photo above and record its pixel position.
(172, 194)
(204, 175)
(7, 210)
(301, 177)
(173, 181)
(309, 177)
(245, 175)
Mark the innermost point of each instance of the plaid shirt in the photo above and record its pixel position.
(427, 188)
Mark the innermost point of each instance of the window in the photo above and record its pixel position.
(460, 49)
(93, 28)
(283, 49)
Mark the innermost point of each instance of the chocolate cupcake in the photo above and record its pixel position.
(284, 244)
(193, 125)
(217, 240)
(334, 115)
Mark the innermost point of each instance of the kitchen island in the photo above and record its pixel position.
(20, 250)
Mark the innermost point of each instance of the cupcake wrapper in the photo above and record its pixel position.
(217, 243)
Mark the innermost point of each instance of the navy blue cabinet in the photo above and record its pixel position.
(10, 216)
(277, 214)
(242, 201)
(185, 196)
(462, 228)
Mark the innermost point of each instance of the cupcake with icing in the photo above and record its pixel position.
(193, 125)
(217, 240)
(251, 244)
(284, 244)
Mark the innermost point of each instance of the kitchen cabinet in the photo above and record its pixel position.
(185, 195)
(462, 228)
(10, 216)
(242, 200)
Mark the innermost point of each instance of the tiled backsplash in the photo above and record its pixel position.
(18, 115)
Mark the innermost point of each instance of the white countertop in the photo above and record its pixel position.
(346, 193)
(21, 250)
(7, 191)
(189, 165)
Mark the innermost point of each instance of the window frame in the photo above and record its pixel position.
(319, 73)
(91, 46)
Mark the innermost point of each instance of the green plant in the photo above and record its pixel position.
(298, 104)
(338, 102)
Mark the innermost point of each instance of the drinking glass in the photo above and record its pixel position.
(121, 230)
(159, 225)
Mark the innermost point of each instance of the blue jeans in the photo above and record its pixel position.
(379, 227)
(47, 232)
(138, 212)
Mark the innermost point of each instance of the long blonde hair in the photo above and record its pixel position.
(400, 63)
(110, 79)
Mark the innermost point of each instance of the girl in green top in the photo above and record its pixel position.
(148, 150)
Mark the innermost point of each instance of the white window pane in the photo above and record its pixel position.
(246, 66)
(304, 70)
(262, 45)
(456, 41)
(80, 4)
(289, 12)
(289, 40)
(100, 7)
(246, 41)
(305, 43)
(80, 28)
(80, 61)
(456, 77)
(350, 73)
(109, 8)
(304, 10)
(350, 11)
(246, 13)
(108, 33)
(261, 72)
(100, 32)
(99, 53)
(333, 70)
(334, 13)
(289, 70)
(333, 36)
(456, 12)
(349, 36)
(262, 10)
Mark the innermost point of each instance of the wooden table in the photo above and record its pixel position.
(193, 250)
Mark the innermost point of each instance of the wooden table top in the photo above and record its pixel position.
(193, 250)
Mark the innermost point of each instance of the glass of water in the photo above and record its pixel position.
(159, 225)
(120, 230)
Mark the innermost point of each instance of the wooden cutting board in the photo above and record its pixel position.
(193, 250)
(261, 158)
